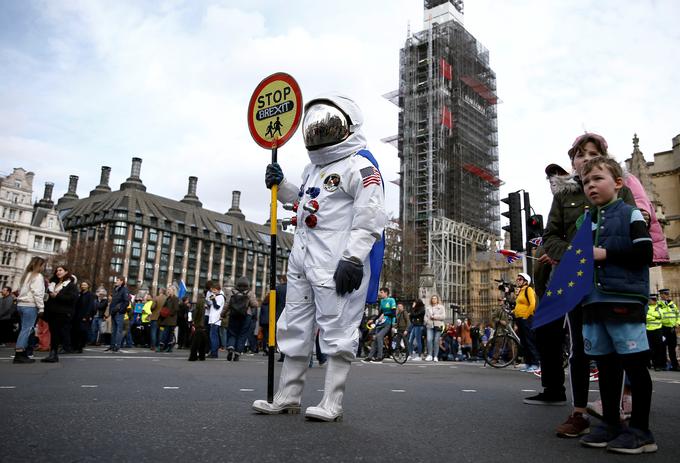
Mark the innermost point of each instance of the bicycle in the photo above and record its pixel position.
(503, 347)
(394, 346)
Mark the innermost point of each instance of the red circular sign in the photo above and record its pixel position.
(275, 110)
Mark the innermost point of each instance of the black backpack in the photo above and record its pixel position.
(238, 303)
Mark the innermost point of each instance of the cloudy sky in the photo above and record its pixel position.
(91, 83)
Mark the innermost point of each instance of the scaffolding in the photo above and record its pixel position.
(451, 243)
(448, 150)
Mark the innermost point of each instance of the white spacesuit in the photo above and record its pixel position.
(340, 215)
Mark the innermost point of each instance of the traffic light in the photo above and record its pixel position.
(514, 213)
(534, 226)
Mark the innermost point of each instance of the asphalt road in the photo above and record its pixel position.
(143, 406)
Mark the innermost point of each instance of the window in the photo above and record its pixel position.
(7, 258)
(50, 223)
(117, 264)
(57, 246)
(118, 246)
(224, 227)
(12, 214)
(139, 232)
(9, 235)
(120, 229)
(17, 184)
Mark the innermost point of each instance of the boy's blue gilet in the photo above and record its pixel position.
(613, 233)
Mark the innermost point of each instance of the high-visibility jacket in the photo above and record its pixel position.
(653, 317)
(146, 311)
(669, 313)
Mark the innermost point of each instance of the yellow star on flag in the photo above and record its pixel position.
(560, 291)
(579, 251)
(571, 284)
(569, 248)
(583, 261)
(549, 293)
(580, 273)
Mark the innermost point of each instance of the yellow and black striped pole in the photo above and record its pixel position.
(271, 338)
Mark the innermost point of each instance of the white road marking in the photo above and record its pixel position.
(528, 390)
(422, 366)
(398, 390)
(593, 390)
(469, 390)
(453, 367)
(246, 390)
(170, 387)
(89, 385)
(319, 390)
(8, 387)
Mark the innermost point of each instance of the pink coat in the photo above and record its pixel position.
(642, 201)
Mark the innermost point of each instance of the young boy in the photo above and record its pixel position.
(614, 331)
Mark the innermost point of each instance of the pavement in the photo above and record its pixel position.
(142, 406)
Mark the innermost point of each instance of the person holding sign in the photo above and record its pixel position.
(340, 216)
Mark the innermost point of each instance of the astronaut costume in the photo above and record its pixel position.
(340, 216)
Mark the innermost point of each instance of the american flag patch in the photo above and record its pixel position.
(370, 176)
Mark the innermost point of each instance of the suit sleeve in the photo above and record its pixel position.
(368, 212)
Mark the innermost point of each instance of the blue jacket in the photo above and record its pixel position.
(613, 234)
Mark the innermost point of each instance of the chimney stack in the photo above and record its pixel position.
(49, 187)
(71, 193)
(235, 210)
(46, 200)
(191, 197)
(103, 186)
(134, 181)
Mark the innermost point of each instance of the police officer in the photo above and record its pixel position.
(340, 215)
(669, 320)
(654, 336)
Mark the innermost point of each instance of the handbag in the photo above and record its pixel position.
(165, 312)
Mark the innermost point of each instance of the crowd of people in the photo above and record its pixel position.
(62, 316)
(422, 329)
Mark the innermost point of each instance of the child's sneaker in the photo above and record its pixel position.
(633, 441)
(600, 435)
(576, 425)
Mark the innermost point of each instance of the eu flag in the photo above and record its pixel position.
(182, 290)
(572, 279)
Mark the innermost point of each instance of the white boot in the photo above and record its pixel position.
(330, 407)
(291, 383)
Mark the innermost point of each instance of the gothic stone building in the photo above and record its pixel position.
(156, 242)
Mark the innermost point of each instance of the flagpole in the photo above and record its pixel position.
(271, 344)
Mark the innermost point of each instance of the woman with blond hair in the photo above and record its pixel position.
(30, 303)
(434, 322)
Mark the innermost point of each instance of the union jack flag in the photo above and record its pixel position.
(510, 255)
(536, 241)
(370, 176)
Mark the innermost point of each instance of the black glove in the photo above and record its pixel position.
(273, 175)
(347, 277)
